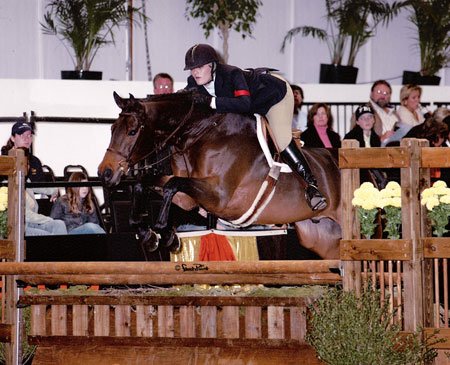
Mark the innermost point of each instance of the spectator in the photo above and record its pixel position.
(300, 118)
(319, 131)
(38, 224)
(229, 89)
(440, 114)
(162, 84)
(76, 208)
(22, 136)
(384, 115)
(410, 111)
(431, 129)
(363, 130)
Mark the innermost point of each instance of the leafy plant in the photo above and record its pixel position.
(432, 20)
(224, 15)
(350, 23)
(84, 26)
(347, 329)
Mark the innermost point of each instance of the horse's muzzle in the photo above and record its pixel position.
(107, 177)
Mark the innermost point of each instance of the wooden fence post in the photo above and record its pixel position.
(16, 217)
(350, 228)
(411, 229)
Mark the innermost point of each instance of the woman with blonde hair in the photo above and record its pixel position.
(77, 209)
(410, 110)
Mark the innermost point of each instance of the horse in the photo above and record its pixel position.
(218, 164)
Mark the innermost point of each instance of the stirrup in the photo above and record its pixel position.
(314, 198)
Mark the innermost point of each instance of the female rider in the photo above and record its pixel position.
(233, 90)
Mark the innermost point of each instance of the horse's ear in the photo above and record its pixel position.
(132, 97)
(119, 101)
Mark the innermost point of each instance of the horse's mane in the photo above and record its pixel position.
(181, 105)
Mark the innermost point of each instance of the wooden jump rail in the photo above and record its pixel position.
(178, 273)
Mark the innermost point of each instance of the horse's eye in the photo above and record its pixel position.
(132, 132)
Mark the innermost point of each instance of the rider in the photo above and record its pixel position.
(249, 91)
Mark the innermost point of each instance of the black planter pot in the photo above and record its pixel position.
(411, 77)
(337, 74)
(81, 75)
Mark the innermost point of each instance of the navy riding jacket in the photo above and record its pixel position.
(243, 91)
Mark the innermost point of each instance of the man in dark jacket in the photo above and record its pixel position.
(231, 90)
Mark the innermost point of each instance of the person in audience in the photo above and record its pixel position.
(363, 130)
(441, 113)
(229, 89)
(364, 133)
(319, 131)
(385, 116)
(22, 136)
(410, 111)
(38, 224)
(300, 118)
(76, 208)
(162, 84)
(433, 130)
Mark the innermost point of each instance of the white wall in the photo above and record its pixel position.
(28, 54)
(60, 144)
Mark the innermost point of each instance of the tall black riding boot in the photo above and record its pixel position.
(297, 162)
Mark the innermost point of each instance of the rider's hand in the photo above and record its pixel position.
(198, 98)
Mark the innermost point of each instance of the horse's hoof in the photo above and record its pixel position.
(150, 242)
(168, 237)
(175, 247)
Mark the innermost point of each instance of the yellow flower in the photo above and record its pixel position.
(427, 193)
(432, 202)
(396, 202)
(3, 198)
(439, 184)
(445, 199)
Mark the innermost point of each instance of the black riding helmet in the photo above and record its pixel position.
(199, 55)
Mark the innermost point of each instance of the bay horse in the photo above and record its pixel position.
(218, 164)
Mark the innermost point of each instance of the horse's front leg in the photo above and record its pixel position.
(195, 188)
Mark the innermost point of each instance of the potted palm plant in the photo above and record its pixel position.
(431, 18)
(347, 28)
(84, 26)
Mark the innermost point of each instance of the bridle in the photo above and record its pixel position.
(126, 162)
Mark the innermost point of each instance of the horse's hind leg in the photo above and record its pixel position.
(321, 237)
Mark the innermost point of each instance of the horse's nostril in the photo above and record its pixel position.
(106, 174)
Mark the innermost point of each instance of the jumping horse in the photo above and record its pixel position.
(218, 164)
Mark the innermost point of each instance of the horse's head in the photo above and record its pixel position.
(125, 148)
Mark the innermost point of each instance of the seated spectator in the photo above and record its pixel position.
(76, 208)
(434, 131)
(384, 114)
(410, 110)
(300, 118)
(363, 130)
(162, 84)
(440, 114)
(22, 136)
(38, 224)
(319, 132)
